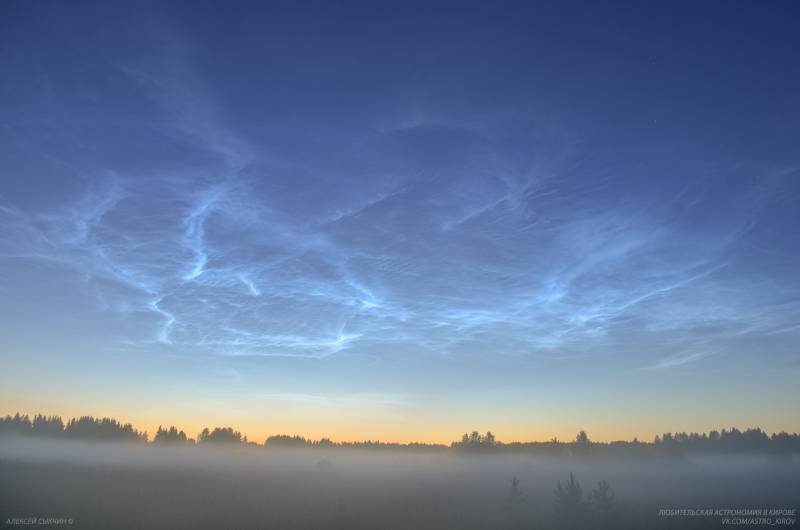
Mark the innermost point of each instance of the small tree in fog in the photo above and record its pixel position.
(515, 494)
(602, 498)
(569, 497)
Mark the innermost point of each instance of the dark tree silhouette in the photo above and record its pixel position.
(582, 438)
(220, 435)
(52, 426)
(16, 425)
(284, 440)
(169, 436)
(89, 428)
(475, 442)
(725, 441)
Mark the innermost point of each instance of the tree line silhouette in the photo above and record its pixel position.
(83, 428)
(753, 440)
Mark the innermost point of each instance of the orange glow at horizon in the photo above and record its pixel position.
(339, 429)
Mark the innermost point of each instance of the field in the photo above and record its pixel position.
(108, 485)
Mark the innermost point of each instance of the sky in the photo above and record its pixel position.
(402, 221)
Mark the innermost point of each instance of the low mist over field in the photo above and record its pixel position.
(105, 474)
(102, 485)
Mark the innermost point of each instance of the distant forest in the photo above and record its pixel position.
(753, 440)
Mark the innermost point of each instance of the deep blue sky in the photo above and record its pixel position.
(401, 221)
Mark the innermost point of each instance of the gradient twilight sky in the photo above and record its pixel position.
(402, 221)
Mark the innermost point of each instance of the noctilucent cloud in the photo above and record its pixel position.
(402, 222)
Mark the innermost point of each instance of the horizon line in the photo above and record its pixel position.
(146, 436)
